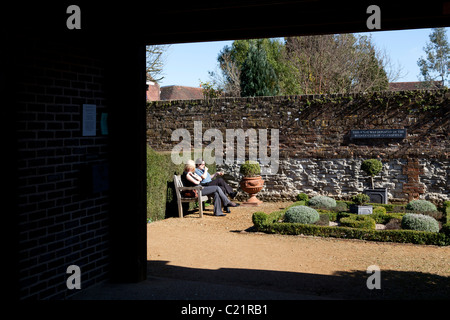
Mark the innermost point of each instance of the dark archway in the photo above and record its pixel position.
(49, 71)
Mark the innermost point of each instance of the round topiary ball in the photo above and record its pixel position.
(420, 206)
(419, 222)
(371, 167)
(301, 214)
(322, 202)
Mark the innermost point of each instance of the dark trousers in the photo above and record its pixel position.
(220, 183)
(220, 199)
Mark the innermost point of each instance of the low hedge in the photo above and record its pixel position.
(447, 211)
(359, 221)
(269, 223)
(388, 207)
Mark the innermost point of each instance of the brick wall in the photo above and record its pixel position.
(60, 224)
(319, 126)
(317, 155)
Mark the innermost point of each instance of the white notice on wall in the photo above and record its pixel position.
(89, 120)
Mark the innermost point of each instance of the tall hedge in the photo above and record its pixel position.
(161, 197)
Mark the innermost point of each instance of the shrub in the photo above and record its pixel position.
(371, 167)
(250, 169)
(302, 197)
(332, 215)
(358, 221)
(386, 217)
(394, 224)
(420, 206)
(361, 199)
(271, 225)
(340, 206)
(447, 211)
(446, 229)
(301, 214)
(161, 197)
(379, 210)
(419, 222)
(322, 202)
(258, 218)
(324, 220)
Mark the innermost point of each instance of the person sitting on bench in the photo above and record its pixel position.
(190, 179)
(207, 179)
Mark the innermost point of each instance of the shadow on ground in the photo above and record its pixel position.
(340, 285)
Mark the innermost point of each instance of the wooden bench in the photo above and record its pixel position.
(180, 198)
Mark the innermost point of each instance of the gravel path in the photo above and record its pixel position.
(225, 250)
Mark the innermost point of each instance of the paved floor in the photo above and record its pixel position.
(155, 288)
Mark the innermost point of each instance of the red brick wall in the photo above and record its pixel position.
(413, 188)
(59, 223)
(153, 91)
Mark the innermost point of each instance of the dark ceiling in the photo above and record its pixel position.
(171, 22)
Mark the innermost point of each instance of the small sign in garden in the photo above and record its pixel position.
(378, 134)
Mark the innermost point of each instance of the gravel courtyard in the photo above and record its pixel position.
(225, 250)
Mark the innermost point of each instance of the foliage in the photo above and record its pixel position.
(209, 91)
(379, 210)
(231, 60)
(420, 206)
(394, 224)
(436, 65)
(447, 211)
(301, 214)
(371, 167)
(384, 218)
(257, 76)
(302, 197)
(446, 229)
(419, 222)
(322, 202)
(318, 64)
(358, 221)
(161, 197)
(334, 64)
(269, 223)
(361, 199)
(258, 218)
(250, 169)
(340, 206)
(160, 171)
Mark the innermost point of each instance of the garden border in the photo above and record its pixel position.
(269, 223)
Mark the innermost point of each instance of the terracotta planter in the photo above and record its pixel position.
(252, 185)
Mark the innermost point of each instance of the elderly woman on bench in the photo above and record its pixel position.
(191, 179)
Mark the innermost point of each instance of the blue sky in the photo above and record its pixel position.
(187, 64)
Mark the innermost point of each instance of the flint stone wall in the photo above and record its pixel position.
(342, 178)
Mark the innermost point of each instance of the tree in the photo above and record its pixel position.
(334, 64)
(231, 60)
(320, 64)
(371, 167)
(155, 61)
(436, 64)
(258, 77)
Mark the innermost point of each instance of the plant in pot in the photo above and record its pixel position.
(359, 206)
(372, 167)
(251, 182)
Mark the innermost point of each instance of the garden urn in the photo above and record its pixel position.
(251, 182)
(252, 185)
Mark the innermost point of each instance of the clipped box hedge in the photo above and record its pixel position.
(269, 223)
